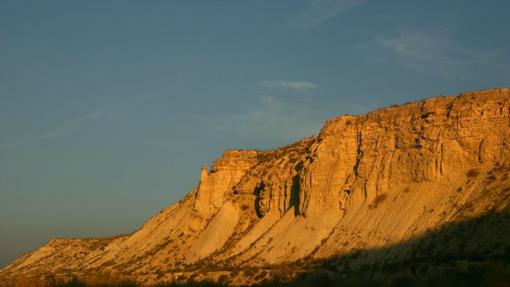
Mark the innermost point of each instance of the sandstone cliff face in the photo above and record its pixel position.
(224, 175)
(365, 182)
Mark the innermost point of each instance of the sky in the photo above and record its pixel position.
(109, 108)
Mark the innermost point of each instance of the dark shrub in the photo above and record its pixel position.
(473, 172)
(377, 200)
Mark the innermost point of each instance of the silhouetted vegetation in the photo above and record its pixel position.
(89, 281)
(75, 282)
(377, 200)
(192, 284)
(473, 172)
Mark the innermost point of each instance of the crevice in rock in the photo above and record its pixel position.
(359, 155)
(258, 196)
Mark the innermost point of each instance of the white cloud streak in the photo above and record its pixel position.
(319, 11)
(295, 86)
(425, 47)
(436, 54)
(272, 119)
(66, 128)
(45, 136)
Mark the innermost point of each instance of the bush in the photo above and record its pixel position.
(377, 200)
(473, 172)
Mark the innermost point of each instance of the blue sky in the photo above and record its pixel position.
(109, 108)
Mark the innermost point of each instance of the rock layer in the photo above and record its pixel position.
(365, 182)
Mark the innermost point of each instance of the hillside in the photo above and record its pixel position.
(419, 186)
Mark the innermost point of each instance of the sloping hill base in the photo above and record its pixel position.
(441, 257)
(475, 252)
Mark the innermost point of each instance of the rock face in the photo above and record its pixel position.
(224, 175)
(391, 178)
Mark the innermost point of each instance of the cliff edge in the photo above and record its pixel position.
(389, 178)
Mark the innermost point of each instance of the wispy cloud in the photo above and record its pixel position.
(42, 137)
(318, 11)
(273, 117)
(295, 86)
(65, 128)
(436, 53)
(272, 120)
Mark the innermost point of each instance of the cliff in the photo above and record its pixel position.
(369, 182)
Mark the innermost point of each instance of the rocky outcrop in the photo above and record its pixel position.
(225, 173)
(364, 183)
